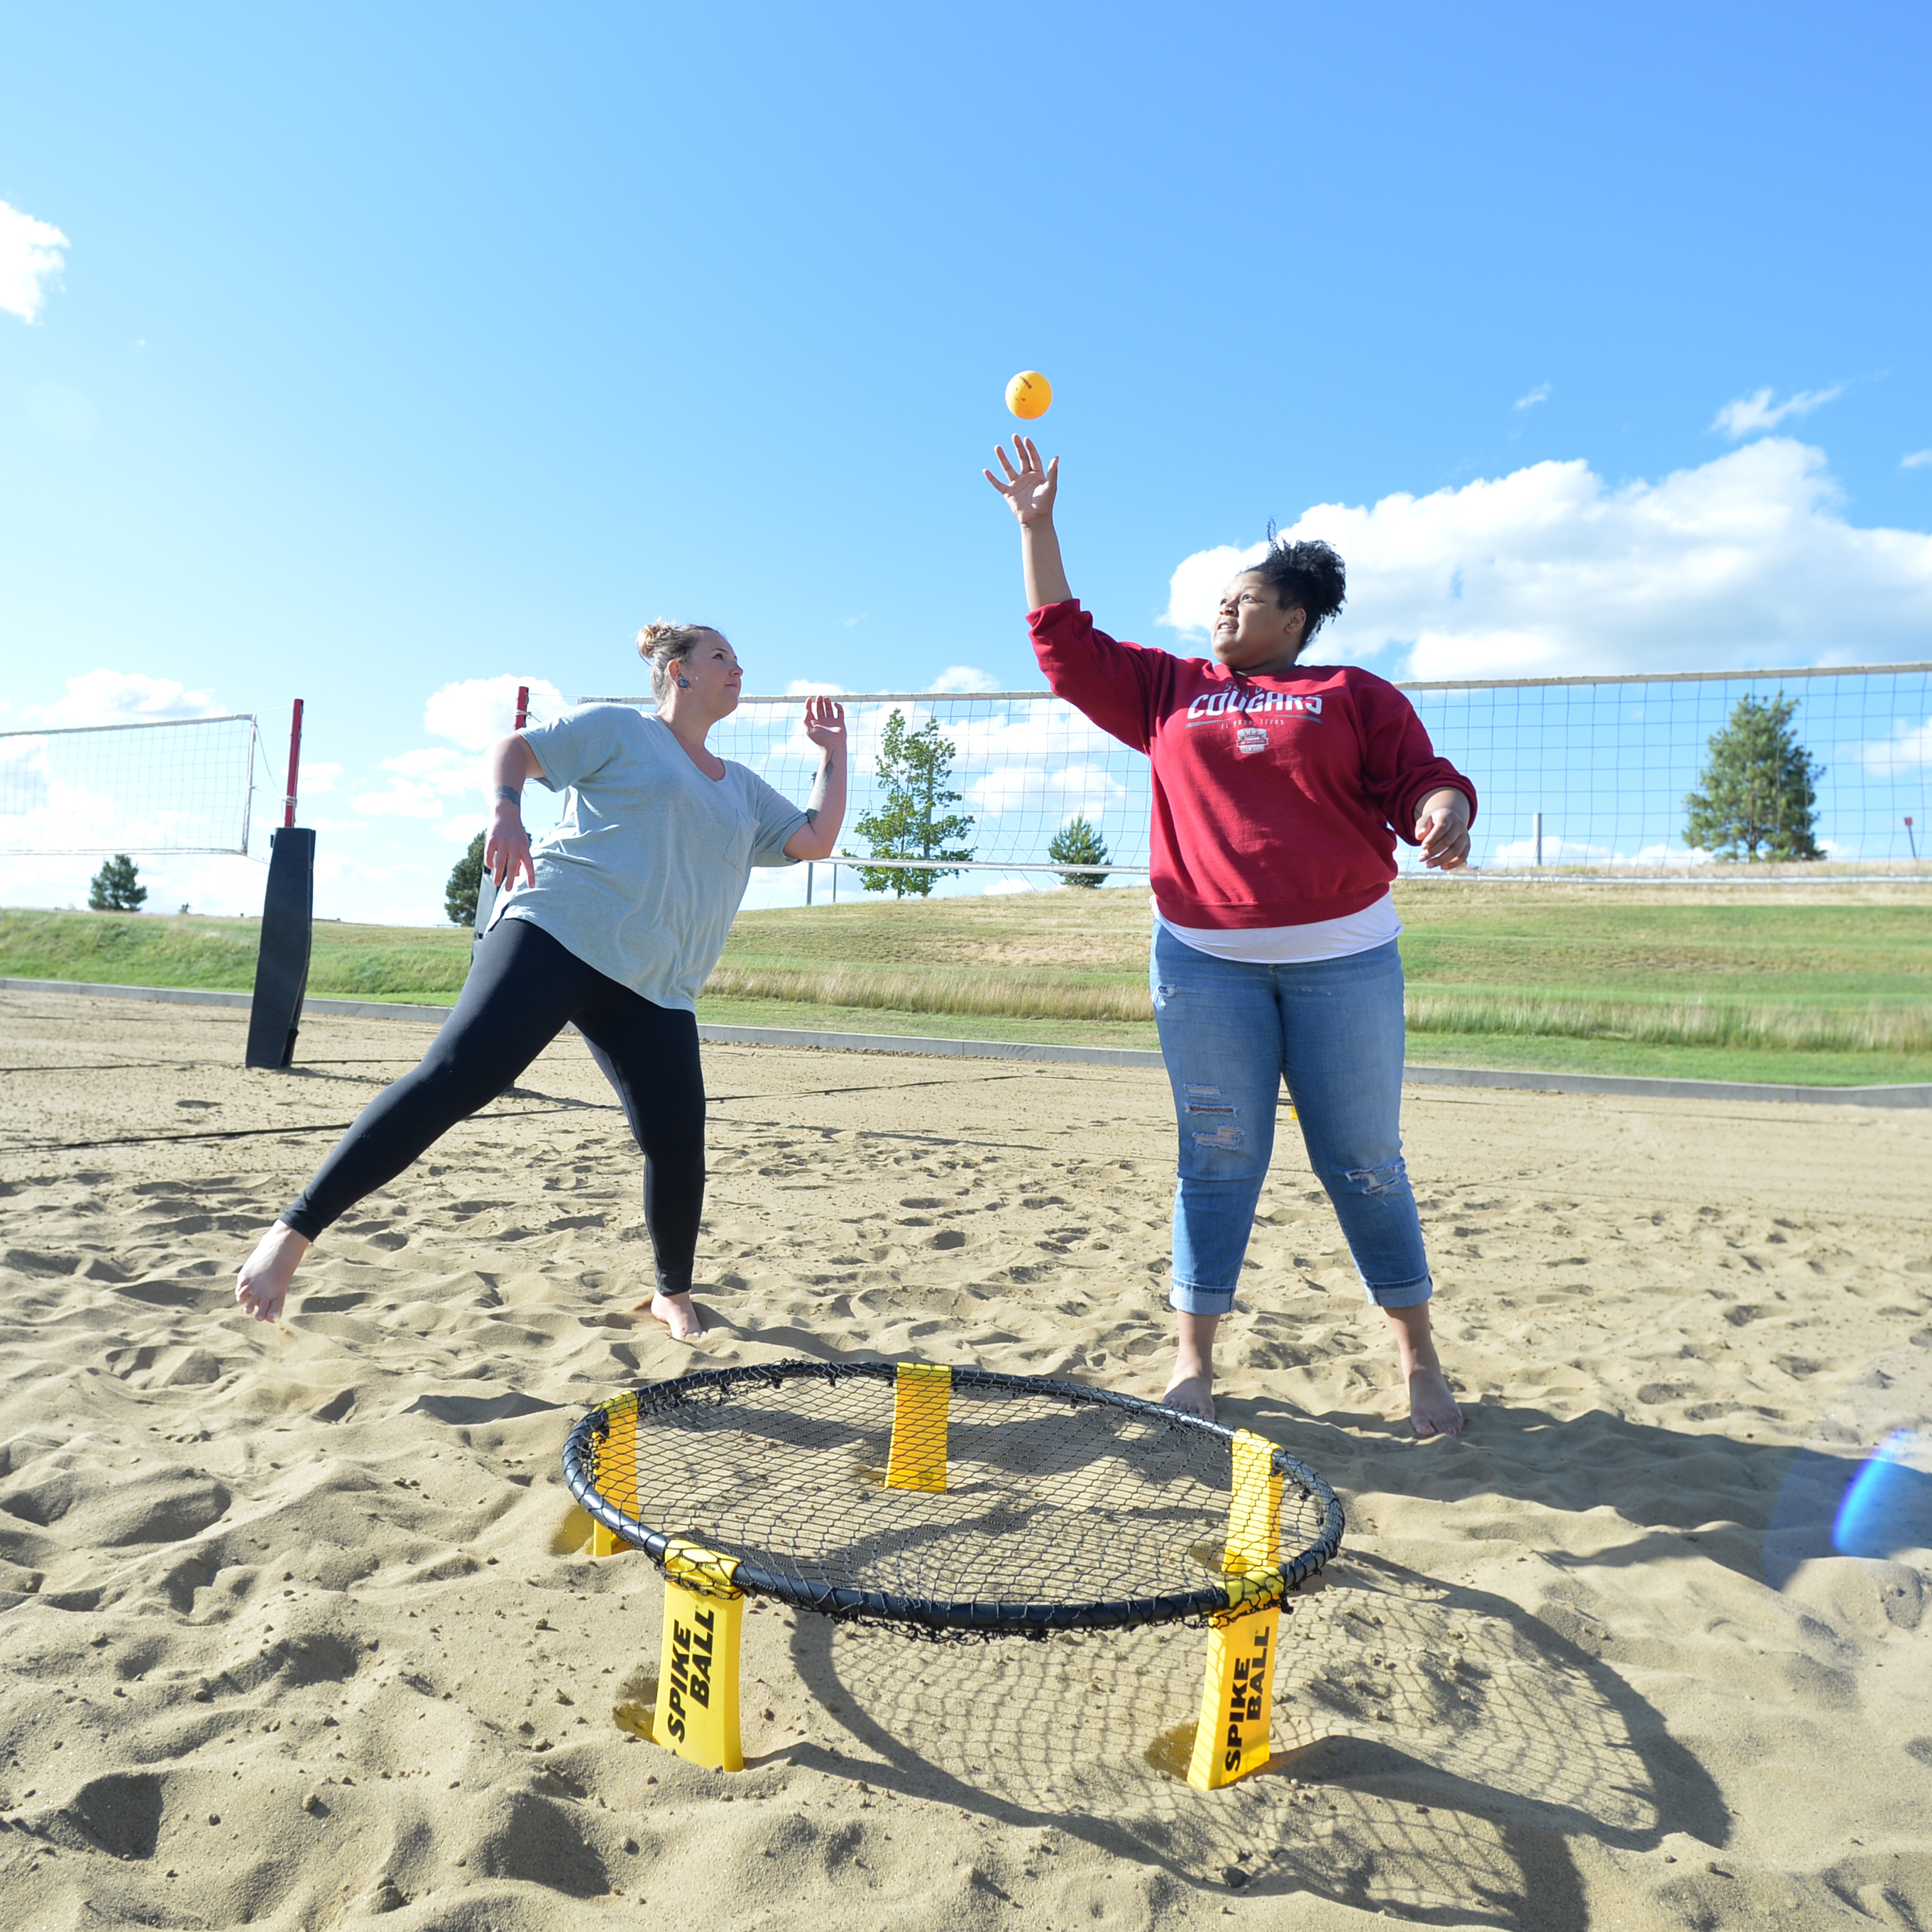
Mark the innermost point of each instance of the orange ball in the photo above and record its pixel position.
(1029, 394)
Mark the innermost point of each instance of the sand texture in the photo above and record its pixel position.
(298, 1626)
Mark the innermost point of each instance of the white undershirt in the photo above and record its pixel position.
(1291, 945)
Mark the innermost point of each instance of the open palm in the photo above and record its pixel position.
(1029, 489)
(825, 723)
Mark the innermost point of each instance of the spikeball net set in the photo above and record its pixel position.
(948, 1502)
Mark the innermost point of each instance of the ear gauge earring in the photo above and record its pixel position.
(684, 684)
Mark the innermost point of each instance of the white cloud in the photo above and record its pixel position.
(479, 711)
(317, 778)
(965, 678)
(811, 687)
(30, 258)
(1917, 460)
(464, 827)
(1551, 571)
(1909, 749)
(1748, 416)
(1541, 393)
(119, 698)
(424, 779)
(1075, 791)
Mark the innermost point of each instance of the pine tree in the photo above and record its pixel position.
(912, 768)
(1758, 796)
(116, 886)
(466, 883)
(1078, 843)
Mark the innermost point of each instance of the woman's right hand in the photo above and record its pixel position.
(506, 851)
(1029, 490)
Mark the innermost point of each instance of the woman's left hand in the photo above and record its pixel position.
(1442, 829)
(825, 724)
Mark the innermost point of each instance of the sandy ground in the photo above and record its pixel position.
(1592, 1665)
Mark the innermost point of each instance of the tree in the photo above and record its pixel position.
(1078, 843)
(466, 883)
(1758, 796)
(116, 886)
(912, 768)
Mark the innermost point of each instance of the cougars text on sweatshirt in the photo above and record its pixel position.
(1277, 800)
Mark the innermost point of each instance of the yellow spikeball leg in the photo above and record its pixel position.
(697, 1677)
(617, 1475)
(922, 1393)
(1237, 1693)
(1237, 1701)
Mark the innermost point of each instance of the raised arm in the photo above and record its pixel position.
(825, 726)
(506, 850)
(1030, 490)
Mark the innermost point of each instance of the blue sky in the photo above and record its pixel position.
(386, 350)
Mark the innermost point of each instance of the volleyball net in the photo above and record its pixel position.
(179, 785)
(1574, 773)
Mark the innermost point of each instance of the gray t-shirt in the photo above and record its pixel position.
(642, 875)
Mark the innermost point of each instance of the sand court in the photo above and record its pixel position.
(299, 1628)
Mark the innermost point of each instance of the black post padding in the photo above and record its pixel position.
(281, 965)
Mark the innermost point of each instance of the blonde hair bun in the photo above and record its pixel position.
(664, 646)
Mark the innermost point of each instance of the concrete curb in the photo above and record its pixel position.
(194, 996)
(1522, 1079)
(1642, 1085)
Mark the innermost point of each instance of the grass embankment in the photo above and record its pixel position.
(348, 962)
(1832, 989)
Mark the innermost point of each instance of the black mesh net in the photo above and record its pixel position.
(1063, 1507)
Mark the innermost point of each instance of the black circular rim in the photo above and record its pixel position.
(955, 1614)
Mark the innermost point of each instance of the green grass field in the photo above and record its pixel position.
(1828, 985)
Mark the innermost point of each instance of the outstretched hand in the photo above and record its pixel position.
(825, 724)
(1030, 489)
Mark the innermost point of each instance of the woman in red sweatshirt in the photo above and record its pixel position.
(1279, 789)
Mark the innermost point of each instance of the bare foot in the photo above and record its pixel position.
(263, 1286)
(679, 1314)
(1191, 1387)
(1192, 1395)
(1432, 1409)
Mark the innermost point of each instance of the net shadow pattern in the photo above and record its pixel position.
(1065, 1506)
(1438, 1751)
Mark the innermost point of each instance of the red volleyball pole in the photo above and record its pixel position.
(295, 763)
(522, 706)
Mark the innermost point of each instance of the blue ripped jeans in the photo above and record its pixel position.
(1231, 1032)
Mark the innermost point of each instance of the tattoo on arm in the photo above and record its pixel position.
(514, 793)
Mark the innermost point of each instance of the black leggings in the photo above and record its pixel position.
(523, 988)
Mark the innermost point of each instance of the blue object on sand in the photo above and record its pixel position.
(1888, 1506)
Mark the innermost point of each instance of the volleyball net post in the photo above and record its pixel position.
(288, 930)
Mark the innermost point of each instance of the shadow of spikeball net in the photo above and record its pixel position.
(919, 1499)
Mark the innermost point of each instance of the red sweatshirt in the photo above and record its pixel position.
(1274, 797)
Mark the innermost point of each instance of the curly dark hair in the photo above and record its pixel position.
(1308, 577)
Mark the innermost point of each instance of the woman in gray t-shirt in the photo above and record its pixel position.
(623, 911)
